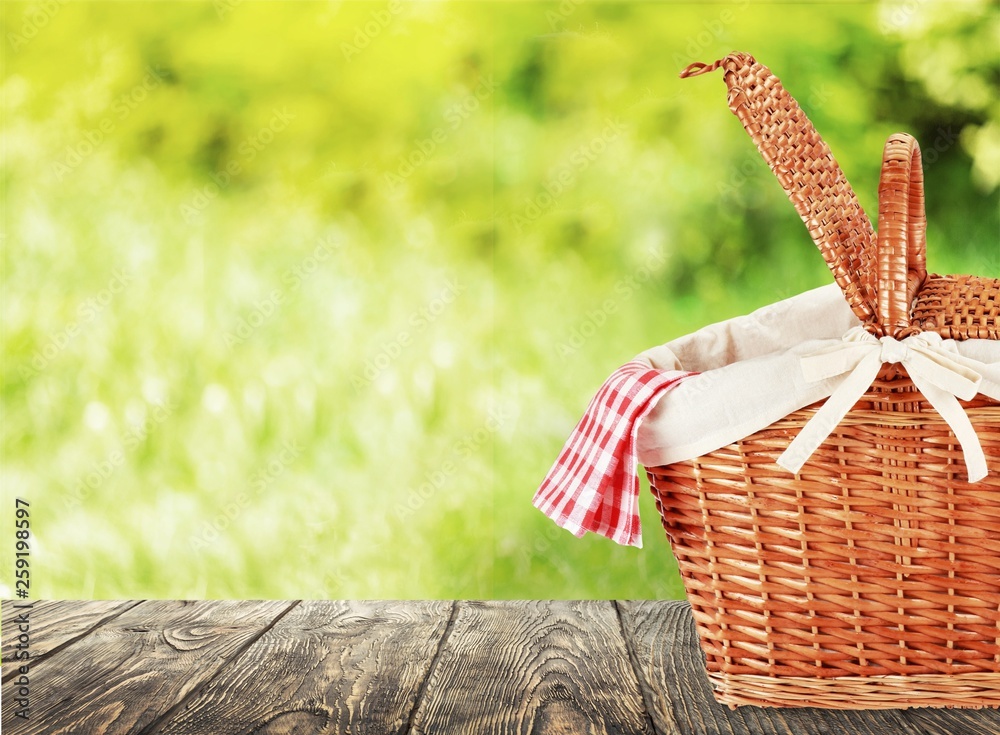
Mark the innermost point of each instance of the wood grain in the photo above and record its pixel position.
(533, 668)
(326, 667)
(671, 670)
(52, 624)
(121, 676)
(949, 722)
(413, 668)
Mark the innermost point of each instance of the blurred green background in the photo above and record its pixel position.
(302, 299)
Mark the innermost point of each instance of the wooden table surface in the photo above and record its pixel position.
(263, 668)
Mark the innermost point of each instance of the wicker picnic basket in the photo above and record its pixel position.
(871, 577)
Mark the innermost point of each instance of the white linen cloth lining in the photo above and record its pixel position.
(751, 374)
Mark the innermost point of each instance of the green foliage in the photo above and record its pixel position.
(302, 299)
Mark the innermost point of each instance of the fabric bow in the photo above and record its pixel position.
(934, 365)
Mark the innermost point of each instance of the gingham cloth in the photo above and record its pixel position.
(593, 484)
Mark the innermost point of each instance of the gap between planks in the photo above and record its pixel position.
(156, 725)
(422, 690)
(35, 660)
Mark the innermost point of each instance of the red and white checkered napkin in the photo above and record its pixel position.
(593, 484)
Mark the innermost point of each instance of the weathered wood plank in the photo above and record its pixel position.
(326, 667)
(949, 722)
(121, 676)
(51, 624)
(520, 668)
(671, 670)
(266, 668)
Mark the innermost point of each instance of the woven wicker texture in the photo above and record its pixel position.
(877, 559)
(888, 692)
(959, 307)
(865, 266)
(872, 578)
(902, 236)
(808, 172)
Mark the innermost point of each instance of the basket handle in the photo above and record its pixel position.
(808, 172)
(902, 236)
